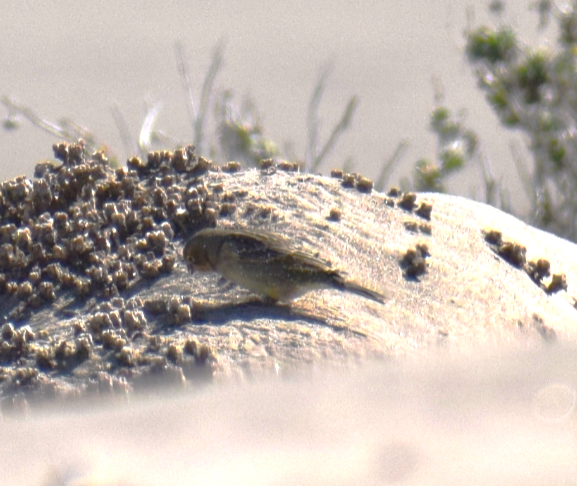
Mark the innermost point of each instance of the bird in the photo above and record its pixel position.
(265, 264)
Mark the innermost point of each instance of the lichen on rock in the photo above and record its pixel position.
(82, 234)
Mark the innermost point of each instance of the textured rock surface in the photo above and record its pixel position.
(96, 297)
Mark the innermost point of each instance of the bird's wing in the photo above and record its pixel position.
(258, 247)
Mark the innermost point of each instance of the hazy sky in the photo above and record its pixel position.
(78, 59)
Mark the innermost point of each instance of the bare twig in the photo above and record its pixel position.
(207, 90)
(146, 130)
(183, 71)
(340, 127)
(123, 130)
(390, 164)
(491, 185)
(313, 119)
(27, 113)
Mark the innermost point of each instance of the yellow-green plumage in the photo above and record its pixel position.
(265, 264)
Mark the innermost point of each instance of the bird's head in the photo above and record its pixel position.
(200, 253)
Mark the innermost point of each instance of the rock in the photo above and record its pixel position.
(96, 297)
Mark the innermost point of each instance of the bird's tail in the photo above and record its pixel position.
(349, 286)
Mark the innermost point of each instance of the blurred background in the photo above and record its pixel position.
(92, 62)
(478, 421)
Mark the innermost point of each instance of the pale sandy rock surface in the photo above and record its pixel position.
(122, 311)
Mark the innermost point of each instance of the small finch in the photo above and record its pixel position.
(265, 264)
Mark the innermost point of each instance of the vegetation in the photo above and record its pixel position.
(532, 89)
